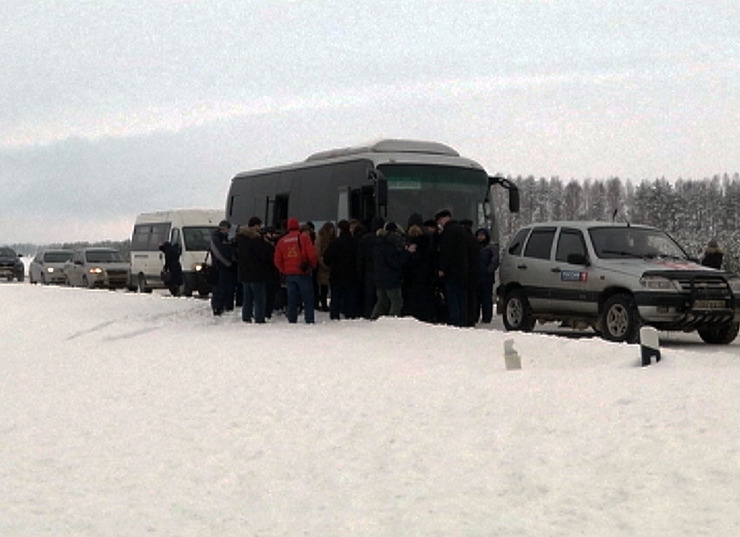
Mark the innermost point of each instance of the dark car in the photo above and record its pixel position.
(11, 265)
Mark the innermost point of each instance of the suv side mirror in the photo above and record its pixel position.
(577, 259)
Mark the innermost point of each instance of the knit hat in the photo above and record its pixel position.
(293, 224)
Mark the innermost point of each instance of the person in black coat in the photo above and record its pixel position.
(341, 258)
(453, 269)
(389, 254)
(366, 266)
(255, 255)
(172, 270)
(419, 277)
(713, 255)
(224, 263)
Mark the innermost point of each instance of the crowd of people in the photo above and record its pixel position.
(439, 270)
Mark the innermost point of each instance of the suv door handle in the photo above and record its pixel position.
(522, 266)
(555, 269)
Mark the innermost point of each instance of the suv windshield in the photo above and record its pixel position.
(103, 256)
(616, 242)
(425, 189)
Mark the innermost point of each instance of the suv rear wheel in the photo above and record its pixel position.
(620, 320)
(518, 312)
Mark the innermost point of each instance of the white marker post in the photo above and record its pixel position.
(511, 357)
(649, 345)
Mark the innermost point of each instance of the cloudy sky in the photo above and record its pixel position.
(108, 108)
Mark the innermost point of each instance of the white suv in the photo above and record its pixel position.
(614, 278)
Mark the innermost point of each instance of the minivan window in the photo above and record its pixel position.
(540, 243)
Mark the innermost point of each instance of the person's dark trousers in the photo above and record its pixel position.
(342, 302)
(485, 299)
(253, 301)
(299, 287)
(271, 290)
(370, 295)
(455, 299)
(222, 297)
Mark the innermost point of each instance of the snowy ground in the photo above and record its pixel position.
(130, 415)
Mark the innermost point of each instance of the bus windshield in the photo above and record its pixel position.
(425, 189)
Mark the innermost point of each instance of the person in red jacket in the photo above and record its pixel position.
(295, 257)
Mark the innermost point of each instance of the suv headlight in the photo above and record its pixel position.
(659, 283)
(734, 284)
(96, 270)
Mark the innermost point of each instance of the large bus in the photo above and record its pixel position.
(393, 179)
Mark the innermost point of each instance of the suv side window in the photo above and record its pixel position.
(540, 243)
(570, 242)
(516, 243)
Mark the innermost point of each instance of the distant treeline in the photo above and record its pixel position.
(692, 211)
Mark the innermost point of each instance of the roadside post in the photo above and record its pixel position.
(511, 358)
(649, 346)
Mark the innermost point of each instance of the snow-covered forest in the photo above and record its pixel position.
(692, 211)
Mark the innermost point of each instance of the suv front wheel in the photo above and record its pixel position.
(518, 312)
(620, 320)
(722, 335)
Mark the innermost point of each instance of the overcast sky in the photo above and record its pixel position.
(111, 108)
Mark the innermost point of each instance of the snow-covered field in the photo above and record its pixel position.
(130, 415)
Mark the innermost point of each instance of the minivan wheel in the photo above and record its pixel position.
(620, 320)
(142, 285)
(721, 335)
(518, 312)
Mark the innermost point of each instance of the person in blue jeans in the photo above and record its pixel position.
(295, 257)
(254, 255)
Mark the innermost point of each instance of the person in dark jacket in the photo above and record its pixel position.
(224, 263)
(341, 258)
(389, 254)
(366, 266)
(453, 267)
(713, 255)
(419, 276)
(172, 270)
(488, 262)
(255, 256)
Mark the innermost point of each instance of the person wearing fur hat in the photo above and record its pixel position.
(295, 257)
(713, 255)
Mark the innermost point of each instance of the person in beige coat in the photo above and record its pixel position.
(325, 235)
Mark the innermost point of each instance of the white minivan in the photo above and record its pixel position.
(191, 229)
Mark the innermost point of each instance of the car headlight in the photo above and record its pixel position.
(96, 270)
(659, 283)
(197, 267)
(49, 269)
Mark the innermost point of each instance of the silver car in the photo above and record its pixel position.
(48, 265)
(97, 267)
(613, 278)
